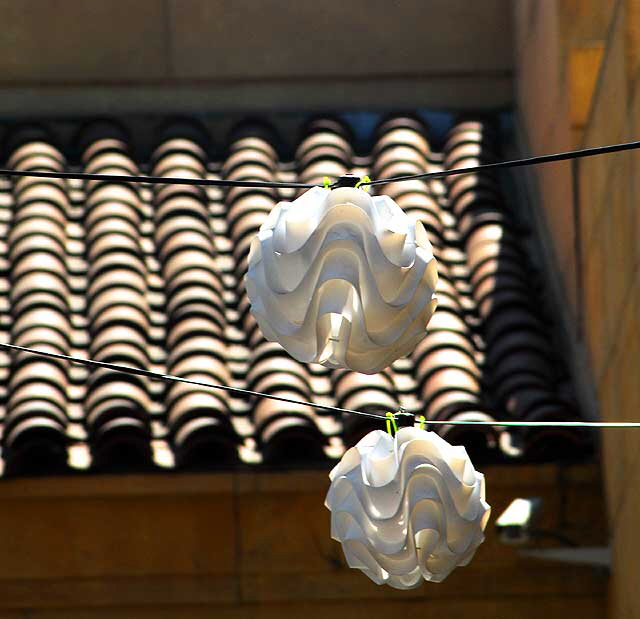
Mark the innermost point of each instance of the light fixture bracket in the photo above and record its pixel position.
(346, 180)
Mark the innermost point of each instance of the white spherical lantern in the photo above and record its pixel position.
(407, 508)
(342, 278)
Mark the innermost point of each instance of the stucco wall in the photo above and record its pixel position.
(587, 55)
(257, 545)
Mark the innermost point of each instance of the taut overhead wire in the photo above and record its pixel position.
(209, 182)
(334, 409)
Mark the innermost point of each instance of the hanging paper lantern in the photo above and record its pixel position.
(342, 278)
(407, 507)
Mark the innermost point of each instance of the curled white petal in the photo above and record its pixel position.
(343, 279)
(407, 508)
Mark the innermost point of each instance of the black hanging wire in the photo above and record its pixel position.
(166, 180)
(179, 379)
(161, 180)
(516, 163)
(155, 180)
(334, 409)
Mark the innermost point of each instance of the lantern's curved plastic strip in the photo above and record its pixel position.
(335, 409)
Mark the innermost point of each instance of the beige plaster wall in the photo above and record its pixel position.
(587, 54)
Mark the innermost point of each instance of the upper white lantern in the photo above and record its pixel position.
(342, 278)
(407, 507)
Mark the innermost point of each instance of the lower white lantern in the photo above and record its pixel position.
(342, 278)
(407, 508)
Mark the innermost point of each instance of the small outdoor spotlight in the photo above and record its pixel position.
(515, 524)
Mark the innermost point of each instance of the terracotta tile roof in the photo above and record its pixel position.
(153, 278)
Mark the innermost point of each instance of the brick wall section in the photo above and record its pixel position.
(592, 97)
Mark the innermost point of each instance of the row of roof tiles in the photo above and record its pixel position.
(153, 278)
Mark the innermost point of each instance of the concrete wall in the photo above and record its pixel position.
(587, 55)
(96, 56)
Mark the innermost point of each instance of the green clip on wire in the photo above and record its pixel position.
(422, 421)
(326, 182)
(391, 421)
(364, 179)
